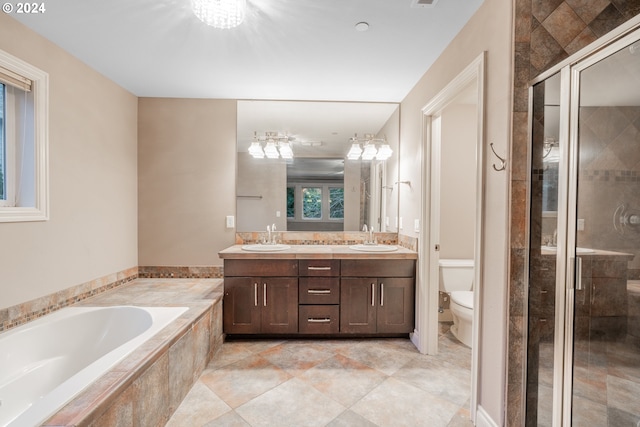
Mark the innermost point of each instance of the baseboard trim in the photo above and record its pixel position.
(483, 419)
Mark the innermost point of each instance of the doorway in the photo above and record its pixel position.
(447, 148)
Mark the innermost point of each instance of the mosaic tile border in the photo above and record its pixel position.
(610, 175)
(317, 238)
(408, 242)
(20, 314)
(180, 272)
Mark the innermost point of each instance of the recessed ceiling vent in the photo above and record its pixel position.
(423, 3)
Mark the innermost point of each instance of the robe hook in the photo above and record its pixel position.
(503, 162)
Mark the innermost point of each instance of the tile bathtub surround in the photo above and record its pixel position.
(20, 314)
(147, 386)
(316, 238)
(180, 272)
(381, 382)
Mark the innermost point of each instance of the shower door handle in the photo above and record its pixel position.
(578, 273)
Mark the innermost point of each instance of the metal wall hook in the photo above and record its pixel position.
(503, 162)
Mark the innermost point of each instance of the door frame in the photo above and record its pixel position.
(428, 283)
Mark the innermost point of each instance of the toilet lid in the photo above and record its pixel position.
(463, 298)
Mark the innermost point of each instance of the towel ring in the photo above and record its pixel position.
(503, 162)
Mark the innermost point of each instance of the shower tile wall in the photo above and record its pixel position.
(545, 33)
(609, 177)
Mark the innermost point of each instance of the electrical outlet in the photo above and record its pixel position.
(231, 221)
(416, 225)
(277, 214)
(400, 225)
(580, 224)
(386, 221)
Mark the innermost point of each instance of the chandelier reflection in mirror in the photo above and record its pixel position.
(223, 14)
(275, 146)
(369, 150)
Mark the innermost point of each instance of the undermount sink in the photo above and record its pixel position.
(373, 248)
(265, 248)
(578, 250)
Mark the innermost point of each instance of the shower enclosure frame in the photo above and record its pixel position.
(569, 71)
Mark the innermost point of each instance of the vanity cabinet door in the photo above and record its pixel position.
(395, 305)
(242, 305)
(279, 305)
(357, 305)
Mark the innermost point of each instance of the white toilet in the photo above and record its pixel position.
(456, 279)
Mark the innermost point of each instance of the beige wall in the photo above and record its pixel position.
(92, 231)
(262, 183)
(391, 130)
(186, 180)
(458, 181)
(490, 30)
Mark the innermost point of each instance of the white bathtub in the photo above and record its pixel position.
(46, 362)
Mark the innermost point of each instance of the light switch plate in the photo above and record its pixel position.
(580, 224)
(231, 221)
(416, 225)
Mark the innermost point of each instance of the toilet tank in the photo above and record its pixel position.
(456, 275)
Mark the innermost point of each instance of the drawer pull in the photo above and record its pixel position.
(264, 291)
(319, 268)
(319, 291)
(319, 320)
(381, 294)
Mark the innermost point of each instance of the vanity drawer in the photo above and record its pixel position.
(319, 267)
(378, 268)
(319, 319)
(261, 267)
(319, 290)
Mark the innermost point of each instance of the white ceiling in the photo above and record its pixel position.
(285, 49)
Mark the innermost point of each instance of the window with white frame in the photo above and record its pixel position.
(24, 190)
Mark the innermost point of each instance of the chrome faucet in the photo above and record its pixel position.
(271, 235)
(371, 240)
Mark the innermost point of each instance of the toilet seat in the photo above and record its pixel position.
(463, 298)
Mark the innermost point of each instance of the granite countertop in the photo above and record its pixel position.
(316, 252)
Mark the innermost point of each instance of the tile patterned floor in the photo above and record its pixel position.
(368, 383)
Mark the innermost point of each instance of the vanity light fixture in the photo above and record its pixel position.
(256, 150)
(370, 151)
(275, 146)
(223, 14)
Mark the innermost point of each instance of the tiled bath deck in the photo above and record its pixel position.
(150, 383)
(368, 383)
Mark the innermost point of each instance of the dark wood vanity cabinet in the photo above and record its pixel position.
(377, 296)
(319, 296)
(260, 297)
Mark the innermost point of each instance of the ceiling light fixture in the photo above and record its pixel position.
(275, 146)
(362, 26)
(223, 14)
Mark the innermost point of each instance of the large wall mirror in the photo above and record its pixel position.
(299, 165)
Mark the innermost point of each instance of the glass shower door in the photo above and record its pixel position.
(604, 241)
